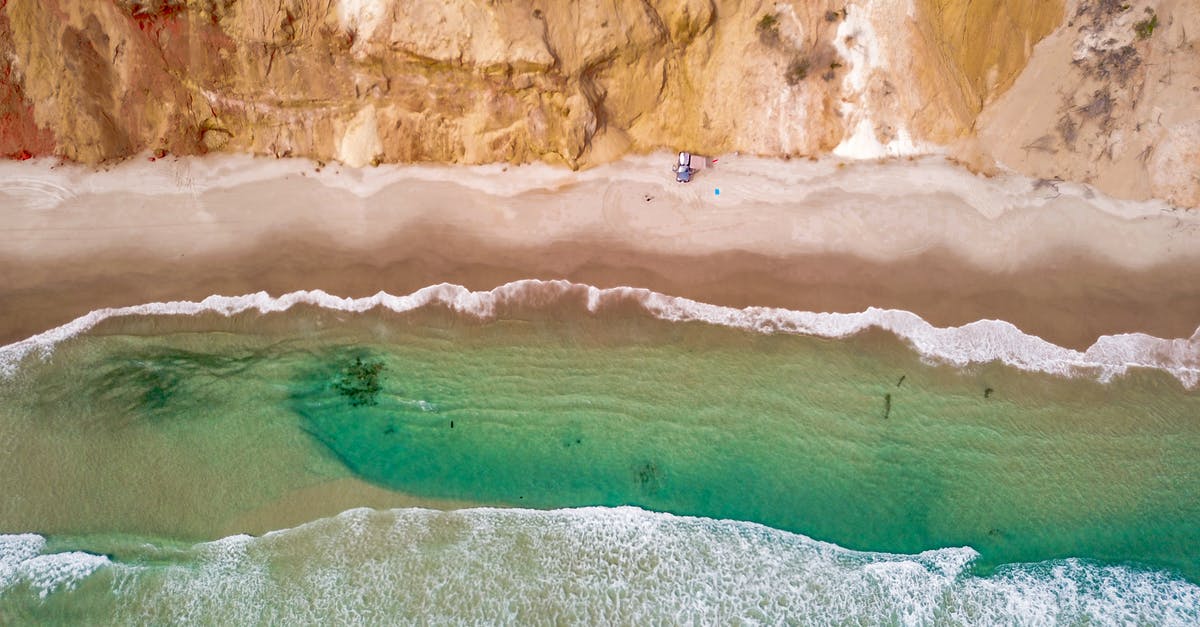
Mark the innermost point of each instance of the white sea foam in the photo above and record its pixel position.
(614, 565)
(979, 342)
(22, 562)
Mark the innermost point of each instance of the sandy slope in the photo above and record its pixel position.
(1098, 103)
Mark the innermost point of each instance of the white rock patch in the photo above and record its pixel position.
(863, 144)
(361, 16)
(858, 43)
(360, 143)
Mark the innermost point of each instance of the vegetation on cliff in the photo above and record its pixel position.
(471, 81)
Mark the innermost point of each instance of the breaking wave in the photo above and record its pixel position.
(978, 342)
(582, 566)
(22, 562)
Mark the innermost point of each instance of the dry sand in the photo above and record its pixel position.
(1058, 260)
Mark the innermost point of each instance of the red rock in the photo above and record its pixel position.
(20, 137)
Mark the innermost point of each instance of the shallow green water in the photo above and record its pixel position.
(141, 428)
(797, 433)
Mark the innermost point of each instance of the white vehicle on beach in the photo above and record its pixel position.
(683, 168)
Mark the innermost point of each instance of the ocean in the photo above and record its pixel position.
(620, 456)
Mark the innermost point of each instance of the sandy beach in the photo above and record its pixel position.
(386, 311)
(176, 454)
(1058, 260)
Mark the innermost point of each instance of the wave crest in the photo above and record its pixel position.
(614, 565)
(22, 562)
(982, 341)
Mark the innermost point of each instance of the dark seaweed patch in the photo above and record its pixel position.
(141, 384)
(147, 383)
(649, 477)
(359, 383)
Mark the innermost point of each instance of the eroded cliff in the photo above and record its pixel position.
(366, 81)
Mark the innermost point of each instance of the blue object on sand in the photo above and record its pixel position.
(717, 191)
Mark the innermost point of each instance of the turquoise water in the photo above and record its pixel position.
(166, 430)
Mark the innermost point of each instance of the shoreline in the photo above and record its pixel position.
(427, 545)
(1067, 265)
(979, 342)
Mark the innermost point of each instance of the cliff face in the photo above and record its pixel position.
(20, 136)
(364, 81)
(968, 53)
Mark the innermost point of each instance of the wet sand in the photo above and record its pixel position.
(329, 499)
(1065, 264)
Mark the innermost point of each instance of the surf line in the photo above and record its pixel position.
(977, 342)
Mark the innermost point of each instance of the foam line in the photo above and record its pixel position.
(22, 561)
(601, 565)
(979, 342)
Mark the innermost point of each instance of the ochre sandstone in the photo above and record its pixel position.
(579, 83)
